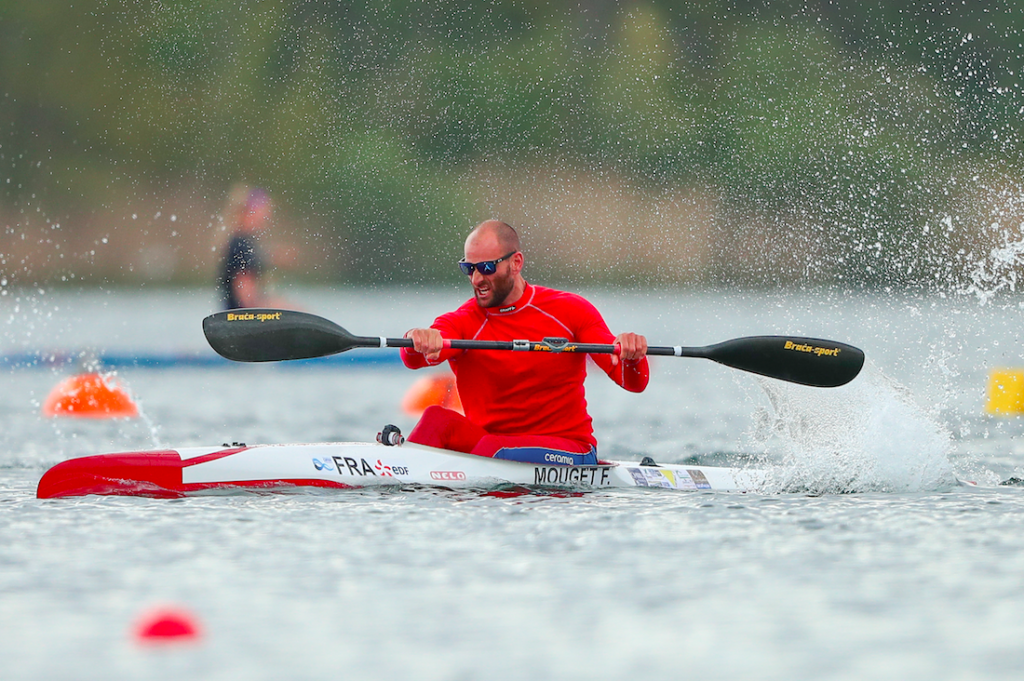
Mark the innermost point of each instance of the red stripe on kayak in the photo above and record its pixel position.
(212, 456)
(149, 474)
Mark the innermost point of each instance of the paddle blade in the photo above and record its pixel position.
(808, 361)
(259, 335)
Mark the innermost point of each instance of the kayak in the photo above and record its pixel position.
(234, 468)
(266, 335)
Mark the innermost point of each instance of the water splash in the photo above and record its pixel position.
(998, 271)
(868, 436)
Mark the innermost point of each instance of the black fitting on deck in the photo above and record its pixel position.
(390, 436)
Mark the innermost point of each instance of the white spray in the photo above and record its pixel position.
(867, 436)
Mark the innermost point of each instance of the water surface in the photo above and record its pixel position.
(863, 558)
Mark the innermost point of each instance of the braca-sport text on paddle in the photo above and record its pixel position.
(261, 335)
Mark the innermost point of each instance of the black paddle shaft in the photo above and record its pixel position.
(263, 335)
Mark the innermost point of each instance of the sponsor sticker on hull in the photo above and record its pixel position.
(325, 465)
(350, 466)
(390, 471)
(447, 475)
(700, 481)
(657, 477)
(638, 477)
(690, 479)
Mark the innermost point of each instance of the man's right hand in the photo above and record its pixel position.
(427, 342)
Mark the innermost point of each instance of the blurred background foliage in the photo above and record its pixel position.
(702, 143)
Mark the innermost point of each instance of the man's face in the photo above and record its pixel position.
(490, 290)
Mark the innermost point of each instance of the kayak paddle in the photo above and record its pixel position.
(263, 335)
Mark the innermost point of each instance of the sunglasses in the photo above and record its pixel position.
(484, 267)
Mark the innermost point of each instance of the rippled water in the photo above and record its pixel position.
(864, 557)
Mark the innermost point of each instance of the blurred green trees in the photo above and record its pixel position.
(836, 141)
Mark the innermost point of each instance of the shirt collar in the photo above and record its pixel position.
(516, 306)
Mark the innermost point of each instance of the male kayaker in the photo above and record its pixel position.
(525, 406)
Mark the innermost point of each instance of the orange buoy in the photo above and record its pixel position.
(167, 625)
(91, 395)
(434, 390)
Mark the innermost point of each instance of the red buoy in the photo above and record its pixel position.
(91, 395)
(167, 625)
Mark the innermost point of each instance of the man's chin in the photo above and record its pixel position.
(484, 301)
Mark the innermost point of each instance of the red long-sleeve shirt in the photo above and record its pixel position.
(529, 393)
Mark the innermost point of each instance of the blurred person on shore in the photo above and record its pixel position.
(244, 264)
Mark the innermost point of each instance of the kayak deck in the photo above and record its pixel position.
(187, 471)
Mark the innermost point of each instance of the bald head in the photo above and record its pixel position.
(495, 232)
(493, 240)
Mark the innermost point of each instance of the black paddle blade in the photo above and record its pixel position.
(259, 335)
(808, 361)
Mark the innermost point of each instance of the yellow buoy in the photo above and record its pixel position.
(1005, 392)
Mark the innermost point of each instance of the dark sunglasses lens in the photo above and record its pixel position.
(466, 267)
(488, 267)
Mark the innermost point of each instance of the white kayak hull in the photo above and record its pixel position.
(198, 470)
